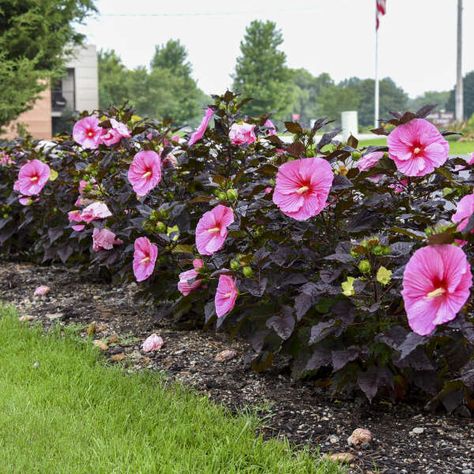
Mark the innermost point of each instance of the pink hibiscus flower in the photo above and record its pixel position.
(144, 258)
(87, 132)
(113, 135)
(41, 290)
(75, 216)
(242, 134)
(199, 132)
(417, 147)
(400, 186)
(5, 159)
(120, 128)
(302, 187)
(436, 286)
(32, 178)
(188, 280)
(104, 239)
(470, 160)
(94, 211)
(369, 161)
(464, 211)
(170, 161)
(211, 230)
(110, 137)
(226, 295)
(145, 172)
(271, 129)
(152, 343)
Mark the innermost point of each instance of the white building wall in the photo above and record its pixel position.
(86, 75)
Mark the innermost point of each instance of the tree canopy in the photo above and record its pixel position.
(261, 71)
(468, 94)
(167, 89)
(36, 39)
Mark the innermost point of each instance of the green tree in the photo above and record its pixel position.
(468, 95)
(36, 39)
(171, 79)
(166, 90)
(308, 89)
(173, 57)
(392, 98)
(438, 98)
(113, 80)
(261, 71)
(336, 99)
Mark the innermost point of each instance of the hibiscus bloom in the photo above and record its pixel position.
(417, 147)
(211, 230)
(199, 132)
(271, 129)
(104, 239)
(87, 132)
(32, 178)
(188, 280)
(5, 159)
(145, 172)
(226, 294)
(242, 134)
(41, 290)
(120, 128)
(94, 211)
(369, 161)
(464, 211)
(302, 187)
(152, 343)
(470, 160)
(75, 216)
(115, 133)
(436, 286)
(144, 258)
(110, 137)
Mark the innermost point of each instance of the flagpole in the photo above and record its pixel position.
(459, 85)
(376, 114)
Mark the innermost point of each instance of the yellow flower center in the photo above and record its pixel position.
(145, 175)
(416, 150)
(90, 133)
(436, 293)
(228, 295)
(145, 260)
(34, 178)
(302, 190)
(214, 230)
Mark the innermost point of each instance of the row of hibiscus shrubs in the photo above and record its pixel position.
(349, 265)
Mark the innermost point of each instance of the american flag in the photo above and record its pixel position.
(380, 9)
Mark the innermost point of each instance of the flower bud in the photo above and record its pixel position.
(235, 265)
(364, 266)
(160, 227)
(384, 276)
(356, 155)
(247, 271)
(232, 194)
(381, 250)
(221, 195)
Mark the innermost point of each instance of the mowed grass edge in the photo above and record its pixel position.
(62, 410)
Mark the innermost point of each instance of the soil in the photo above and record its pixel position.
(405, 438)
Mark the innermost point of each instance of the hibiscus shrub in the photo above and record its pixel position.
(350, 265)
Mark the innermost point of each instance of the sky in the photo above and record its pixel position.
(417, 38)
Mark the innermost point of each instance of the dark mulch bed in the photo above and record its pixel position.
(405, 438)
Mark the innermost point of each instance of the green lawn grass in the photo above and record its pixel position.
(455, 147)
(62, 410)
